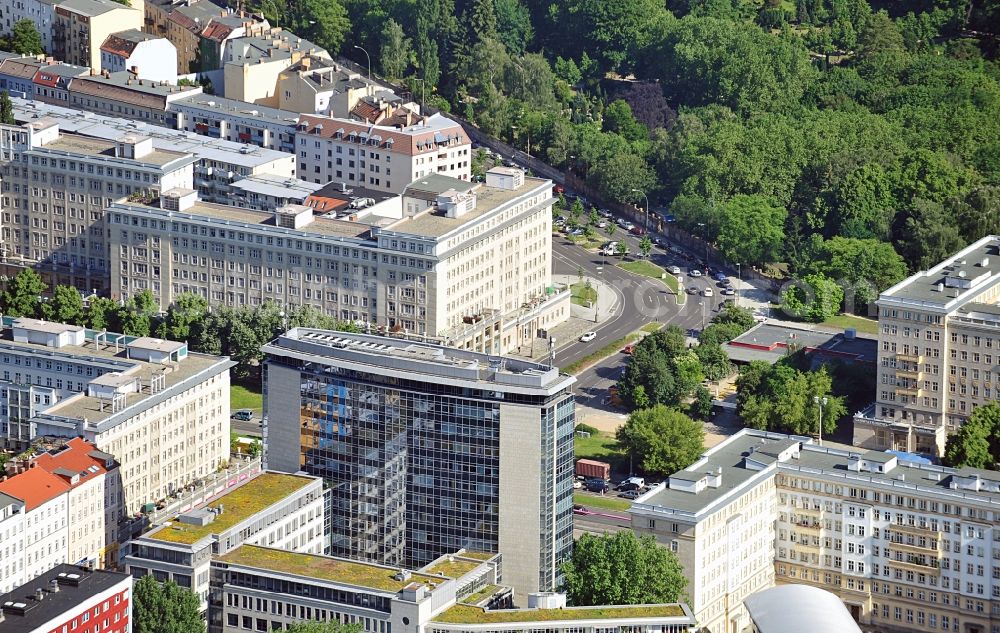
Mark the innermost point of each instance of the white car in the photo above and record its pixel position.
(694, 272)
(588, 337)
(622, 222)
(674, 270)
(603, 224)
(707, 292)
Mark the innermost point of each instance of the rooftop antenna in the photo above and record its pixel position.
(552, 351)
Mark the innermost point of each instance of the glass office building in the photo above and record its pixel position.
(427, 450)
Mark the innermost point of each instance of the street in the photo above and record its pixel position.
(640, 300)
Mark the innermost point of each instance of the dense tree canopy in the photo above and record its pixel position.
(661, 440)
(622, 568)
(164, 608)
(783, 398)
(977, 441)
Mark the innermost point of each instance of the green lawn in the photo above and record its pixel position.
(602, 447)
(861, 324)
(613, 347)
(240, 397)
(652, 327)
(582, 294)
(605, 503)
(649, 269)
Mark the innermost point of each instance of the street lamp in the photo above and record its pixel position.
(273, 5)
(821, 402)
(647, 206)
(369, 60)
(739, 282)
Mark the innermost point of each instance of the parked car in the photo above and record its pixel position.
(243, 415)
(729, 291)
(604, 213)
(657, 242)
(637, 230)
(622, 222)
(577, 485)
(629, 226)
(674, 270)
(694, 272)
(597, 485)
(720, 276)
(603, 224)
(707, 292)
(692, 290)
(588, 337)
(630, 494)
(628, 349)
(626, 486)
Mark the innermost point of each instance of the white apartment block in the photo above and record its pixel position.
(162, 412)
(272, 509)
(468, 264)
(149, 57)
(939, 352)
(906, 546)
(12, 519)
(56, 187)
(236, 121)
(381, 157)
(266, 192)
(257, 588)
(45, 537)
(219, 164)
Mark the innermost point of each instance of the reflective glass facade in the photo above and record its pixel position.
(413, 466)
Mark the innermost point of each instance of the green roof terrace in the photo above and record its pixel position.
(337, 570)
(241, 503)
(464, 614)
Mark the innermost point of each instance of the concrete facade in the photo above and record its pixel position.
(82, 26)
(149, 57)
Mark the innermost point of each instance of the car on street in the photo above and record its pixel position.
(694, 272)
(575, 232)
(674, 270)
(720, 276)
(637, 230)
(629, 226)
(625, 486)
(588, 337)
(604, 213)
(622, 222)
(707, 292)
(657, 242)
(577, 485)
(729, 292)
(243, 415)
(597, 485)
(630, 494)
(692, 290)
(603, 224)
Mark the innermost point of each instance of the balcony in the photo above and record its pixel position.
(910, 358)
(930, 549)
(807, 547)
(909, 391)
(808, 527)
(923, 565)
(921, 529)
(912, 374)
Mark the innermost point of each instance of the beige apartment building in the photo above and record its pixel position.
(384, 157)
(906, 545)
(252, 64)
(939, 352)
(56, 187)
(81, 26)
(463, 263)
(162, 412)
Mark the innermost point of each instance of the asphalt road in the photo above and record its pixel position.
(246, 429)
(641, 300)
(597, 521)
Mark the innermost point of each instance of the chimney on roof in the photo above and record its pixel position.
(39, 595)
(53, 586)
(93, 71)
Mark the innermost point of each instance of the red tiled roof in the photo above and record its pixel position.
(217, 31)
(118, 46)
(412, 143)
(76, 458)
(35, 487)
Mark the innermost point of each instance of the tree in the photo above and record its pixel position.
(323, 22)
(701, 406)
(21, 297)
(66, 306)
(930, 234)
(645, 245)
(621, 175)
(751, 229)
(865, 266)
(622, 568)
(395, 51)
(101, 313)
(661, 439)
(514, 26)
(879, 36)
(782, 398)
(622, 249)
(814, 298)
(658, 368)
(618, 119)
(25, 39)
(165, 608)
(6, 109)
(977, 442)
(610, 31)
(714, 360)
(187, 309)
(611, 229)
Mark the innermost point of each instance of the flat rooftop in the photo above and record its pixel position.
(417, 359)
(338, 570)
(769, 342)
(100, 126)
(239, 504)
(434, 223)
(76, 586)
(320, 226)
(726, 460)
(955, 281)
(223, 106)
(277, 186)
(91, 146)
(466, 614)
